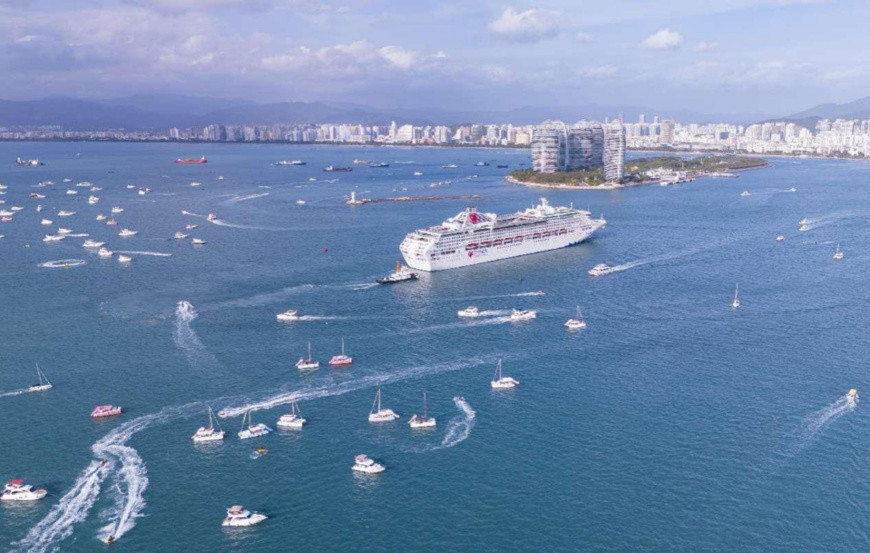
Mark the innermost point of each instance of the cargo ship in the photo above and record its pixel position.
(188, 161)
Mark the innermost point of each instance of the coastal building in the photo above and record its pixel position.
(548, 149)
(614, 152)
(585, 146)
(667, 132)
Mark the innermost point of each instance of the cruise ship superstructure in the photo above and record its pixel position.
(472, 237)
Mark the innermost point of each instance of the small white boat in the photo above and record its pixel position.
(111, 222)
(195, 184)
(341, 359)
(289, 315)
(252, 430)
(83, 184)
(190, 227)
(576, 324)
(45, 222)
(64, 231)
(63, 213)
(780, 238)
(469, 312)
(15, 208)
(307, 364)
(125, 233)
(93, 199)
(131, 186)
(38, 208)
(792, 189)
(95, 189)
(362, 463)
(746, 193)
(237, 516)
(36, 196)
(293, 419)
(378, 414)
(17, 490)
(53, 237)
(180, 236)
(43, 384)
(523, 315)
(418, 174)
(212, 217)
(104, 253)
(501, 382)
(72, 192)
(101, 217)
(5, 213)
(143, 191)
(852, 397)
(736, 303)
(600, 269)
(804, 228)
(838, 255)
(301, 202)
(423, 421)
(199, 242)
(804, 221)
(117, 209)
(90, 243)
(124, 259)
(209, 433)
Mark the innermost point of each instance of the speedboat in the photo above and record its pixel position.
(341, 359)
(804, 228)
(289, 315)
(117, 209)
(209, 433)
(72, 192)
(212, 217)
(736, 302)
(252, 430)
(600, 269)
(89, 243)
(780, 238)
(131, 186)
(17, 490)
(401, 275)
(62, 230)
(104, 253)
(378, 414)
(746, 193)
(293, 419)
(238, 516)
(190, 227)
(470, 311)
(45, 222)
(501, 382)
(362, 463)
(101, 217)
(424, 421)
(418, 174)
(102, 411)
(523, 315)
(307, 364)
(62, 213)
(804, 221)
(83, 184)
(43, 384)
(852, 397)
(53, 237)
(36, 196)
(576, 324)
(198, 242)
(450, 166)
(124, 259)
(838, 255)
(93, 199)
(95, 189)
(125, 233)
(195, 184)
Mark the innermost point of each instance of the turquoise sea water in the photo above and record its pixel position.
(671, 423)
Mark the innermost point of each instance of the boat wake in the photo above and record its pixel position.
(519, 295)
(246, 198)
(279, 295)
(13, 393)
(815, 423)
(185, 337)
(63, 263)
(222, 223)
(322, 318)
(460, 426)
(816, 222)
(136, 252)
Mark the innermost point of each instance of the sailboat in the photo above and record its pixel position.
(307, 364)
(209, 433)
(500, 382)
(576, 324)
(838, 255)
(43, 385)
(293, 419)
(342, 359)
(379, 414)
(422, 422)
(252, 430)
(736, 303)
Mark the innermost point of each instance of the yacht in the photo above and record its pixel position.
(101, 217)
(209, 433)
(125, 233)
(362, 463)
(45, 222)
(293, 419)
(180, 236)
(780, 238)
(104, 253)
(736, 303)
(341, 359)
(62, 213)
(469, 312)
(43, 384)
(93, 244)
(501, 382)
(378, 414)
(252, 430)
(600, 269)
(838, 255)
(117, 209)
(401, 275)
(804, 228)
(289, 315)
(17, 490)
(93, 199)
(523, 315)
(53, 237)
(102, 411)
(422, 422)
(238, 516)
(62, 230)
(72, 192)
(852, 397)
(576, 324)
(124, 258)
(804, 221)
(746, 193)
(307, 364)
(199, 242)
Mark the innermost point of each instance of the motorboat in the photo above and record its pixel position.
(424, 421)
(199, 242)
(379, 414)
(293, 419)
(195, 184)
(301, 202)
(15, 208)
(93, 199)
(101, 217)
(379, 165)
(341, 359)
(83, 184)
(124, 258)
(17, 490)
(363, 463)
(126, 233)
(523, 315)
(450, 166)
(289, 315)
(501, 382)
(102, 411)
(131, 186)
(600, 269)
(143, 191)
(838, 255)
(804, 221)
(252, 430)
(362, 161)
(95, 189)
(212, 217)
(469, 312)
(238, 516)
(62, 230)
(402, 274)
(576, 324)
(736, 302)
(852, 397)
(792, 189)
(190, 227)
(6, 213)
(117, 210)
(43, 384)
(53, 237)
(112, 222)
(746, 193)
(93, 244)
(780, 238)
(71, 192)
(36, 196)
(38, 208)
(63, 213)
(180, 236)
(307, 364)
(104, 253)
(804, 228)
(46, 222)
(209, 433)
(418, 174)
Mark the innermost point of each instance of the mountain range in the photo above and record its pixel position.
(857, 109)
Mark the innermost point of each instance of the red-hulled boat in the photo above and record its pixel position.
(189, 160)
(101, 411)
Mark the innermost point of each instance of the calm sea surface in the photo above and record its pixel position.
(671, 423)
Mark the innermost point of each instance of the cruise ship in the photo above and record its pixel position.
(472, 237)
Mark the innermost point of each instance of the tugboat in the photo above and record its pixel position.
(402, 274)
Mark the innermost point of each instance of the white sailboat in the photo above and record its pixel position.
(422, 422)
(209, 433)
(838, 255)
(379, 414)
(736, 303)
(292, 420)
(43, 385)
(307, 364)
(501, 382)
(576, 324)
(252, 430)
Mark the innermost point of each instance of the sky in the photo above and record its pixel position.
(724, 56)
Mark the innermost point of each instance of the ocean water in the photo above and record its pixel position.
(671, 423)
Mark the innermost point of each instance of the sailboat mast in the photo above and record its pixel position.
(342, 346)
(309, 351)
(424, 405)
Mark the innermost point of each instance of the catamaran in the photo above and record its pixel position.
(293, 419)
(307, 364)
(736, 303)
(342, 359)
(102, 411)
(576, 324)
(43, 385)
(838, 255)
(500, 382)
(378, 414)
(209, 433)
(252, 430)
(422, 422)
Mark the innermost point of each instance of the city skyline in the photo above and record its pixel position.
(734, 56)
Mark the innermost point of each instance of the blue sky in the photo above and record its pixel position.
(723, 56)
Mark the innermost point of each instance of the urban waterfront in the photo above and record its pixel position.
(672, 422)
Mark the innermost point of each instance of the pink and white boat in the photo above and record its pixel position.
(342, 359)
(101, 411)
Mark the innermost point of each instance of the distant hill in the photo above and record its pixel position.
(304, 112)
(175, 104)
(78, 115)
(857, 109)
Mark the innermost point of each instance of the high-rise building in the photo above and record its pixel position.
(548, 149)
(667, 132)
(641, 119)
(614, 152)
(585, 146)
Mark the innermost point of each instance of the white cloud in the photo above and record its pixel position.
(706, 46)
(664, 39)
(584, 37)
(398, 57)
(532, 25)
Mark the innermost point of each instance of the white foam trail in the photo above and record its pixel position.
(462, 323)
(361, 286)
(63, 263)
(248, 197)
(815, 423)
(78, 235)
(816, 222)
(322, 318)
(520, 295)
(13, 393)
(222, 223)
(185, 337)
(494, 313)
(136, 252)
(264, 299)
(129, 506)
(461, 425)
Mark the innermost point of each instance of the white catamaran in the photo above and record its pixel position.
(500, 382)
(379, 414)
(209, 433)
(307, 364)
(422, 422)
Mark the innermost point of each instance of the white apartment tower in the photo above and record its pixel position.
(614, 152)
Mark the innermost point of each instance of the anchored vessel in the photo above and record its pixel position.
(472, 237)
(239, 516)
(363, 463)
(293, 419)
(424, 421)
(209, 433)
(501, 382)
(379, 414)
